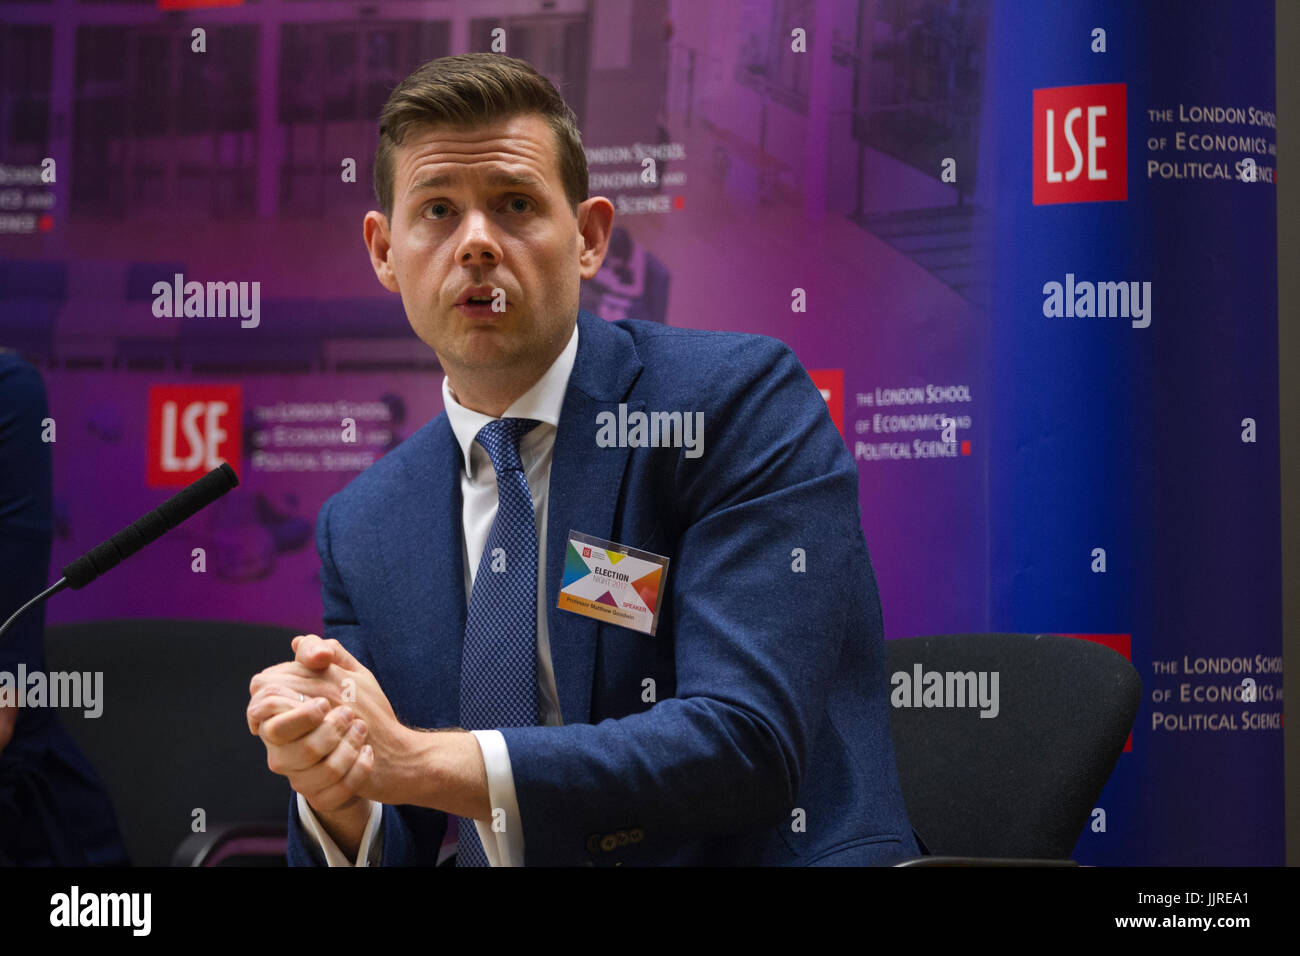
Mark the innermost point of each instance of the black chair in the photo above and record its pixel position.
(1019, 787)
(172, 738)
(234, 844)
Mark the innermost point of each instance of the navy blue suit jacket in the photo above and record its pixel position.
(770, 682)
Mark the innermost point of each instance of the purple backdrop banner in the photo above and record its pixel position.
(860, 179)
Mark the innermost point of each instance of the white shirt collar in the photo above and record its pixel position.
(542, 402)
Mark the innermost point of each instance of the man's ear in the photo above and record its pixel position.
(378, 242)
(595, 221)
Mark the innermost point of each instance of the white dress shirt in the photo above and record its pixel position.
(478, 486)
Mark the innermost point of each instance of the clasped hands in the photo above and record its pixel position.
(328, 727)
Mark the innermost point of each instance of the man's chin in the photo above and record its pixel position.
(490, 350)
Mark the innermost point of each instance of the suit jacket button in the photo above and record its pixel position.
(622, 838)
(636, 834)
(593, 843)
(608, 842)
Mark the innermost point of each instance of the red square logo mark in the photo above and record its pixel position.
(1080, 144)
(586, 552)
(830, 382)
(192, 429)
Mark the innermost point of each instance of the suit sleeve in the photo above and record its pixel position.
(756, 639)
(403, 844)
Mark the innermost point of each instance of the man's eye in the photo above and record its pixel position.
(525, 204)
(435, 208)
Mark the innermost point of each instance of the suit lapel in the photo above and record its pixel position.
(426, 533)
(584, 495)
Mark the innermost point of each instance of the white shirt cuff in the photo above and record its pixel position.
(371, 839)
(505, 845)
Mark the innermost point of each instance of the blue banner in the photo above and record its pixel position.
(1134, 490)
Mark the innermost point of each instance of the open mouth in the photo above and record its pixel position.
(483, 296)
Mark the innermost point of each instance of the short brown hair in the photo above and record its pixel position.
(469, 89)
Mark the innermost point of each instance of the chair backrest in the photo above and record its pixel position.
(1023, 783)
(172, 737)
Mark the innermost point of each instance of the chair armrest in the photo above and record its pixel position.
(232, 839)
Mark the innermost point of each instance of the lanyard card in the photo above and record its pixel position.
(612, 582)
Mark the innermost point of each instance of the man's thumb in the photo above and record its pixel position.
(312, 651)
(342, 656)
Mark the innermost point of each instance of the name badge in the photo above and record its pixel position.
(612, 582)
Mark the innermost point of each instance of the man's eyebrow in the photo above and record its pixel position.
(493, 179)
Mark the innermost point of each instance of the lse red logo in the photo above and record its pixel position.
(830, 382)
(1080, 144)
(586, 552)
(192, 429)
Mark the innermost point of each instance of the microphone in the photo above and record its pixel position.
(109, 554)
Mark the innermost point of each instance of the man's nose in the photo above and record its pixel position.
(478, 245)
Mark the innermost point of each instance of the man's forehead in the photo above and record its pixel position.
(491, 173)
(501, 153)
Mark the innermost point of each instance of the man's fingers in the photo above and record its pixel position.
(335, 760)
(306, 751)
(277, 674)
(270, 701)
(311, 651)
(275, 691)
(302, 720)
(342, 656)
(345, 791)
(317, 653)
(293, 678)
(302, 637)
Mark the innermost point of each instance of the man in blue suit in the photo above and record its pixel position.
(750, 728)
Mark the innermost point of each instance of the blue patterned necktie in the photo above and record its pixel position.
(498, 671)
